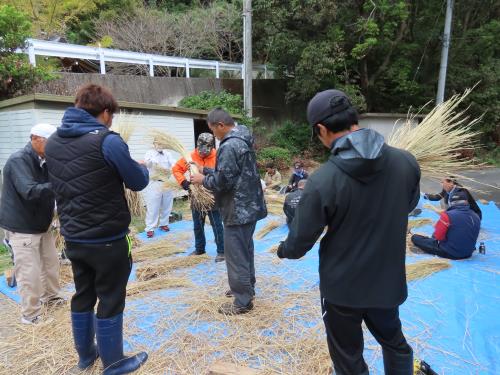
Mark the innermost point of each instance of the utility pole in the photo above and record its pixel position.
(444, 52)
(247, 57)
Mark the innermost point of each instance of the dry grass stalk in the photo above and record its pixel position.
(438, 140)
(277, 335)
(201, 199)
(162, 248)
(415, 223)
(274, 203)
(135, 203)
(65, 274)
(273, 249)
(165, 282)
(152, 270)
(424, 268)
(125, 124)
(271, 225)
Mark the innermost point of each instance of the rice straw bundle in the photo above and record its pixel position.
(161, 248)
(424, 268)
(437, 141)
(125, 124)
(274, 203)
(201, 198)
(135, 203)
(415, 223)
(271, 225)
(153, 270)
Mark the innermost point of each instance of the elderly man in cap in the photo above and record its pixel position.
(456, 231)
(26, 212)
(363, 195)
(203, 156)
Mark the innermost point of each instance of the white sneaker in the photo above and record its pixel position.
(35, 320)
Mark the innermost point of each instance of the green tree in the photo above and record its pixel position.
(384, 52)
(17, 76)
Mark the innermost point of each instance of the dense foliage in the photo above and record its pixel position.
(17, 76)
(384, 53)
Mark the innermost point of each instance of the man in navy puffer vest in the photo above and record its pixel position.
(88, 167)
(456, 231)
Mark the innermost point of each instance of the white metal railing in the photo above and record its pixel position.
(45, 48)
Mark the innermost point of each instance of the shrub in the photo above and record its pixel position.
(208, 100)
(281, 157)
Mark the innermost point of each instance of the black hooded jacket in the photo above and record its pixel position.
(363, 194)
(235, 180)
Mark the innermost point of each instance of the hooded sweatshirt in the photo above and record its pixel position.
(88, 166)
(363, 195)
(235, 180)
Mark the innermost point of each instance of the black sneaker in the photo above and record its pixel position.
(230, 308)
(196, 252)
(220, 258)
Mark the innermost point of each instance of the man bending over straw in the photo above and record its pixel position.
(238, 192)
(363, 194)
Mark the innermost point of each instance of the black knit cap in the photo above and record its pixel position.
(326, 104)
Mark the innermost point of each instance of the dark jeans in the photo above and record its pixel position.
(238, 240)
(100, 271)
(431, 246)
(345, 339)
(199, 230)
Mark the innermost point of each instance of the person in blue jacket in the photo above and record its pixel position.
(456, 231)
(88, 166)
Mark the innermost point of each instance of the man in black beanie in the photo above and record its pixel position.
(363, 195)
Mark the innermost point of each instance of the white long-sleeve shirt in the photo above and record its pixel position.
(159, 160)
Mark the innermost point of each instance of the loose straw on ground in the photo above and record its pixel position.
(415, 223)
(162, 248)
(201, 198)
(152, 270)
(425, 268)
(271, 225)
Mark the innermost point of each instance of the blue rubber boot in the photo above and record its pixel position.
(83, 335)
(109, 334)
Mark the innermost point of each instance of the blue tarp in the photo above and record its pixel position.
(451, 318)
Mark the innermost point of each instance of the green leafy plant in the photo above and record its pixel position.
(279, 156)
(208, 100)
(17, 76)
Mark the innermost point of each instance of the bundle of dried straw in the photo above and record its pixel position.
(438, 140)
(201, 198)
(125, 124)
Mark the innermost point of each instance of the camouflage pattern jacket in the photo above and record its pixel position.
(235, 180)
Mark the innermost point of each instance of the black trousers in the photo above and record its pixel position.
(345, 337)
(239, 252)
(100, 271)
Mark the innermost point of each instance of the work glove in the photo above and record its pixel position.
(281, 248)
(185, 184)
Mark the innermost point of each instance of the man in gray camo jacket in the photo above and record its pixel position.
(235, 182)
